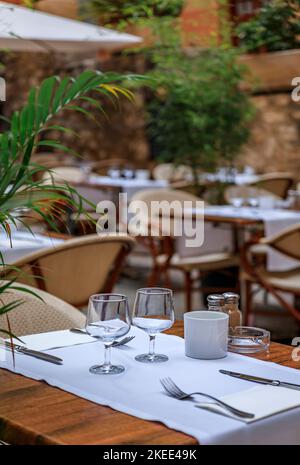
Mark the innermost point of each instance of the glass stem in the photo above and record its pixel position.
(152, 346)
(107, 352)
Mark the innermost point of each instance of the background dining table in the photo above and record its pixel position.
(23, 243)
(32, 412)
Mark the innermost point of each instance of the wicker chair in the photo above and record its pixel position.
(34, 315)
(62, 174)
(277, 183)
(76, 269)
(171, 173)
(288, 243)
(163, 251)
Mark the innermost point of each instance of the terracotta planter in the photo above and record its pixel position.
(65, 8)
(272, 71)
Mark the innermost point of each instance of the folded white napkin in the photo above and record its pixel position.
(55, 339)
(262, 401)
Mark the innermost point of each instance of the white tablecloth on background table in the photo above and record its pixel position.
(239, 178)
(129, 186)
(216, 240)
(24, 243)
(138, 392)
(274, 220)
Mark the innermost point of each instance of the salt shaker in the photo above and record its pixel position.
(216, 303)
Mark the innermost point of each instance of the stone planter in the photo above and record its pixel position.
(272, 71)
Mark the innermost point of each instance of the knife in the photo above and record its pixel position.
(33, 353)
(256, 379)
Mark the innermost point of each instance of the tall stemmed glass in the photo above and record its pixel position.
(153, 312)
(107, 320)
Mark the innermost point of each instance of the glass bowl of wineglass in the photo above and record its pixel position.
(107, 320)
(153, 312)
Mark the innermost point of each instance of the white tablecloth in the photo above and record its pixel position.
(24, 243)
(274, 222)
(238, 178)
(138, 392)
(129, 186)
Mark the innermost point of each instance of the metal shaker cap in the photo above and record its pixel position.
(216, 300)
(231, 297)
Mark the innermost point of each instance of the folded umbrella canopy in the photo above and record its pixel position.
(23, 29)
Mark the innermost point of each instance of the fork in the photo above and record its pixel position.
(114, 344)
(174, 391)
(122, 341)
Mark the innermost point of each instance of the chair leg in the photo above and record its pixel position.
(154, 277)
(248, 302)
(188, 291)
(167, 280)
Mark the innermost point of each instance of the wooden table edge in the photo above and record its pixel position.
(16, 432)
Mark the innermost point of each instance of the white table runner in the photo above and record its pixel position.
(138, 392)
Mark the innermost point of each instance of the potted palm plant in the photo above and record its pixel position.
(19, 188)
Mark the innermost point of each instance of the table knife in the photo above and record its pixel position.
(257, 379)
(34, 353)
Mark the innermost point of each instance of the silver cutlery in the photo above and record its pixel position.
(114, 344)
(174, 391)
(122, 341)
(33, 353)
(79, 331)
(257, 379)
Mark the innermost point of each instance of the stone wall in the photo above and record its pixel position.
(275, 140)
(274, 145)
(121, 135)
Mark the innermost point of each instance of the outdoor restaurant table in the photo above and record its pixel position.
(24, 243)
(263, 222)
(32, 412)
(128, 186)
(239, 179)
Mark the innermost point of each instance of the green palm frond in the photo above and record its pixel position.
(18, 187)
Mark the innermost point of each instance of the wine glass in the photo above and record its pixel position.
(237, 202)
(153, 312)
(107, 320)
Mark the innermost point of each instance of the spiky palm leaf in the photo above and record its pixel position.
(18, 189)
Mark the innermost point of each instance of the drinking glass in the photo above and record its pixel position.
(114, 172)
(153, 312)
(237, 202)
(107, 320)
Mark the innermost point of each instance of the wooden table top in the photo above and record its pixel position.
(235, 221)
(32, 412)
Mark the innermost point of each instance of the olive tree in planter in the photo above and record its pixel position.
(199, 117)
(272, 45)
(276, 27)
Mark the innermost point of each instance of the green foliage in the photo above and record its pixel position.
(18, 187)
(200, 117)
(197, 113)
(122, 10)
(27, 127)
(276, 27)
